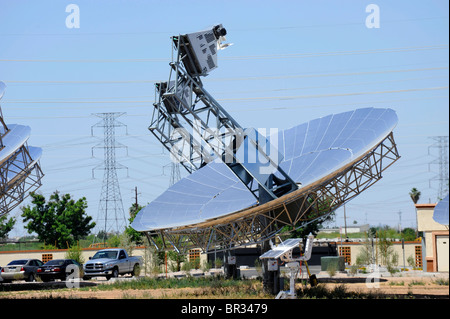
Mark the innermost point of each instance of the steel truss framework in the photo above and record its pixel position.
(196, 129)
(27, 178)
(20, 174)
(258, 224)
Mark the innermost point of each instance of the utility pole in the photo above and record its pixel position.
(400, 222)
(136, 196)
(134, 206)
(111, 214)
(345, 223)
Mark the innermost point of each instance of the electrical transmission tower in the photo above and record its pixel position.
(111, 215)
(175, 174)
(441, 144)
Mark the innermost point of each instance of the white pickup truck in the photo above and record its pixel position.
(111, 263)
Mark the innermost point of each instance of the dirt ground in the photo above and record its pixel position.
(98, 294)
(418, 286)
(413, 286)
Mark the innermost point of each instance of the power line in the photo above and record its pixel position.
(331, 95)
(259, 98)
(319, 75)
(238, 110)
(251, 29)
(336, 53)
(339, 85)
(242, 78)
(111, 99)
(249, 57)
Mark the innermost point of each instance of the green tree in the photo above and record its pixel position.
(365, 255)
(133, 234)
(176, 259)
(415, 195)
(61, 221)
(409, 234)
(388, 256)
(6, 226)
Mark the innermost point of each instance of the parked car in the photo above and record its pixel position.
(111, 263)
(21, 269)
(57, 269)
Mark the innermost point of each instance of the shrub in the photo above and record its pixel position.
(218, 263)
(353, 270)
(441, 281)
(411, 261)
(331, 269)
(75, 253)
(206, 265)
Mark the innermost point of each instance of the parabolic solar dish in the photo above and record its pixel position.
(313, 151)
(440, 214)
(246, 185)
(20, 172)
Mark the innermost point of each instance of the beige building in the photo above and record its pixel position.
(404, 251)
(431, 254)
(435, 239)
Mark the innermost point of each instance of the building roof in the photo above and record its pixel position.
(425, 205)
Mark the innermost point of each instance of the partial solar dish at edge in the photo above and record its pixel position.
(440, 214)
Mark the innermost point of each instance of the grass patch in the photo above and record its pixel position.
(441, 282)
(210, 287)
(396, 283)
(171, 283)
(219, 287)
(338, 292)
(416, 283)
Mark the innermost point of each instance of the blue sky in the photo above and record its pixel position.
(291, 62)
